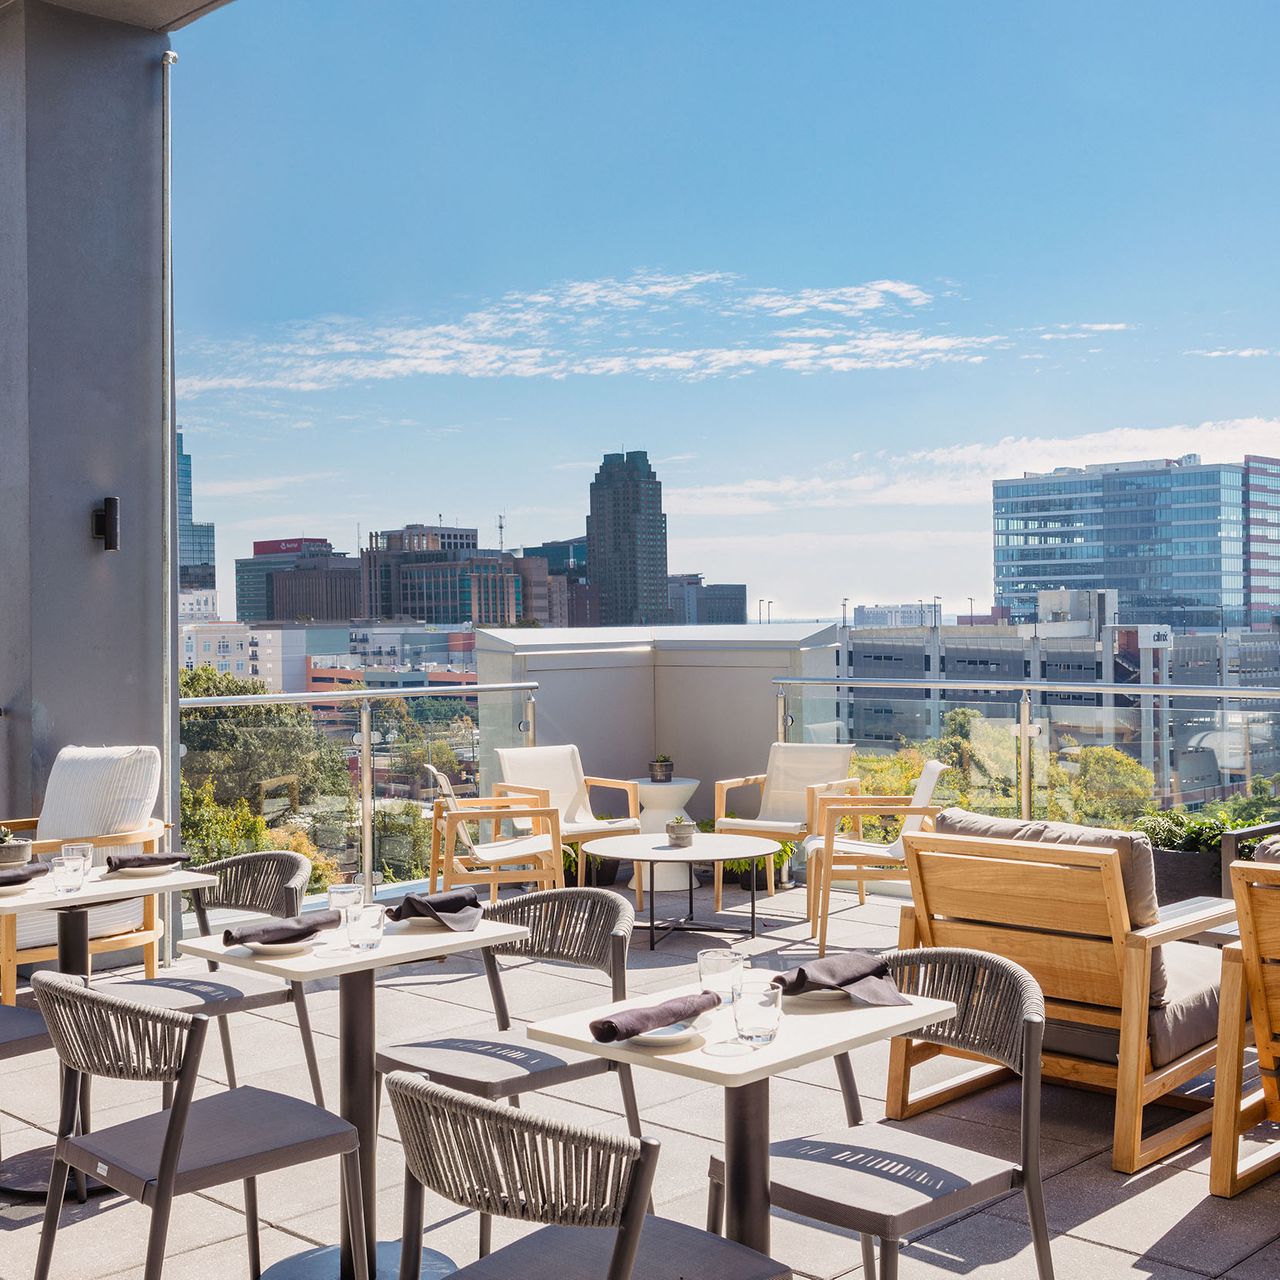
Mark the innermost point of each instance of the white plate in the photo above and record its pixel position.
(664, 1037)
(161, 870)
(12, 890)
(280, 948)
(822, 995)
(420, 922)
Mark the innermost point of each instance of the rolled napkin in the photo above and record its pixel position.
(862, 975)
(286, 929)
(126, 861)
(635, 1022)
(458, 909)
(20, 875)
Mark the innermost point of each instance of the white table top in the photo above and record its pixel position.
(812, 1028)
(402, 943)
(647, 781)
(101, 886)
(707, 846)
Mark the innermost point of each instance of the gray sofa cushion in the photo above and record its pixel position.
(1187, 1019)
(1268, 850)
(1137, 862)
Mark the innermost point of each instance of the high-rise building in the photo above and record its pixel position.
(569, 555)
(317, 589)
(255, 599)
(440, 576)
(627, 542)
(1182, 542)
(196, 570)
(708, 604)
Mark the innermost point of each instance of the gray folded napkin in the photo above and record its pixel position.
(21, 874)
(862, 975)
(458, 909)
(283, 930)
(127, 861)
(635, 1022)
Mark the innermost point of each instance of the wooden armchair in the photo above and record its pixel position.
(101, 796)
(1250, 982)
(1130, 1010)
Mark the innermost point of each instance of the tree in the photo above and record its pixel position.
(1110, 789)
(238, 749)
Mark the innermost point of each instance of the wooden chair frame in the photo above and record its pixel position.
(147, 935)
(1250, 983)
(814, 793)
(456, 867)
(834, 809)
(1060, 912)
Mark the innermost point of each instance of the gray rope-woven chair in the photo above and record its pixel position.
(587, 1188)
(231, 1136)
(272, 883)
(589, 928)
(885, 1180)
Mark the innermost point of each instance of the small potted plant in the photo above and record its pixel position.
(14, 850)
(680, 832)
(660, 768)
(746, 868)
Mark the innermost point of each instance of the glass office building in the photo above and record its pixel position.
(195, 538)
(1183, 543)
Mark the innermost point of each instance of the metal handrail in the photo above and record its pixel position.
(1215, 691)
(359, 695)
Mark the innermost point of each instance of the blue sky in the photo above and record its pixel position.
(836, 266)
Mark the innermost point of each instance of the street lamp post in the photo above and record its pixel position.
(937, 611)
(844, 612)
(769, 611)
(971, 621)
(920, 605)
(760, 611)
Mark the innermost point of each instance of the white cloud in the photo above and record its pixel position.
(256, 486)
(1239, 353)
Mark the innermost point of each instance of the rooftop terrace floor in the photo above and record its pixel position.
(1160, 1224)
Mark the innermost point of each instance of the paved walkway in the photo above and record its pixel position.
(1161, 1224)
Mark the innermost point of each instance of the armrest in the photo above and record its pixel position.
(1185, 925)
(542, 814)
(816, 792)
(541, 794)
(19, 824)
(471, 803)
(725, 785)
(619, 784)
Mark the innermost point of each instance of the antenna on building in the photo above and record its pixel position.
(502, 529)
(440, 519)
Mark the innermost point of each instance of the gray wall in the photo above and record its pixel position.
(81, 406)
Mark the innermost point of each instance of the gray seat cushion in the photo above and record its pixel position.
(232, 1135)
(880, 1179)
(495, 1065)
(1187, 1019)
(215, 994)
(668, 1251)
(21, 1031)
(1137, 862)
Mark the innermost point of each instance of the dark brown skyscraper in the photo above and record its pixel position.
(627, 542)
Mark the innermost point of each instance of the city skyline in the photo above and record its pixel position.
(829, 315)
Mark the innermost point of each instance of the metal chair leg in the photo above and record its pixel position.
(157, 1237)
(411, 1230)
(1034, 1194)
(251, 1228)
(52, 1211)
(486, 1234)
(889, 1259)
(715, 1207)
(868, 1256)
(849, 1089)
(303, 1015)
(355, 1213)
(224, 1031)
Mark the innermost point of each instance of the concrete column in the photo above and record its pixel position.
(81, 394)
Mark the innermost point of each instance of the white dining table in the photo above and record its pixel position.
(356, 971)
(813, 1027)
(28, 1174)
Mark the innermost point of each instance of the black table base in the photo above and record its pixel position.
(659, 929)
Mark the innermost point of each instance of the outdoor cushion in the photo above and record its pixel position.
(844, 844)
(1137, 862)
(668, 1251)
(522, 848)
(599, 827)
(21, 1031)
(1268, 850)
(879, 1179)
(750, 825)
(226, 991)
(795, 766)
(1187, 1019)
(40, 928)
(494, 1064)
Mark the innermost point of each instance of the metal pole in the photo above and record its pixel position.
(1024, 755)
(366, 796)
(781, 727)
(530, 721)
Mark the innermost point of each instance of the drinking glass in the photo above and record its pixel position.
(757, 1011)
(720, 969)
(364, 927)
(344, 896)
(70, 868)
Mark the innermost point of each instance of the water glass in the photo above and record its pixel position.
(70, 868)
(720, 969)
(757, 1011)
(342, 897)
(364, 927)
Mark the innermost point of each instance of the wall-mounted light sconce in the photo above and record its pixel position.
(106, 524)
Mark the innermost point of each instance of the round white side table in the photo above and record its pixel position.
(660, 802)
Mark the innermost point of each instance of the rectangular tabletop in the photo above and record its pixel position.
(812, 1028)
(402, 943)
(101, 886)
